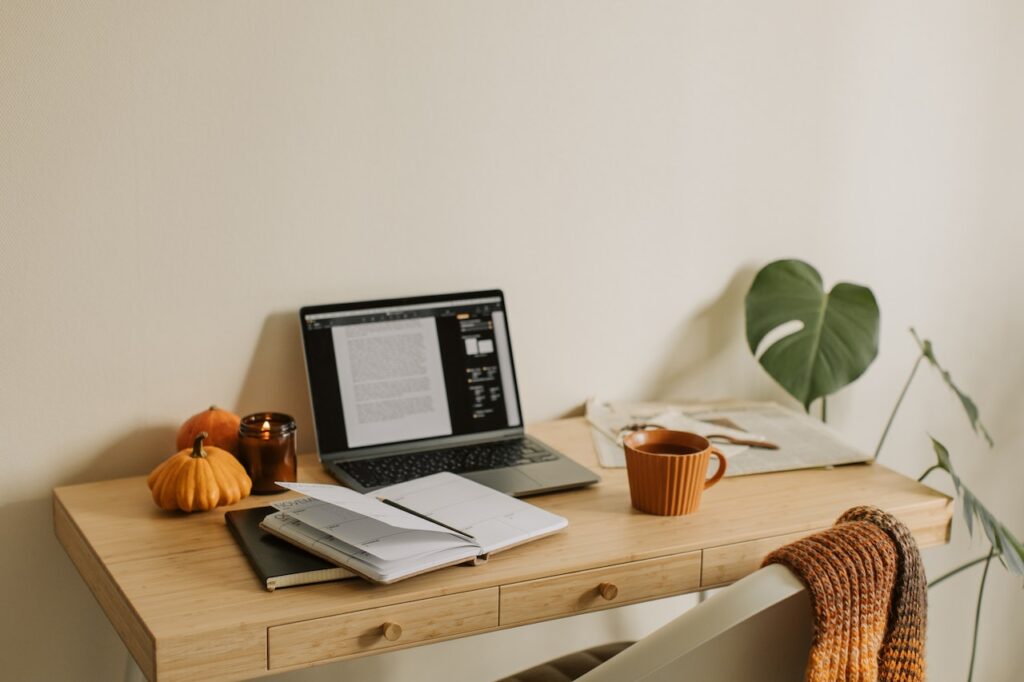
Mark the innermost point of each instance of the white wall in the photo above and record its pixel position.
(178, 178)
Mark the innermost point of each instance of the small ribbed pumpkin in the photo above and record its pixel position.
(199, 478)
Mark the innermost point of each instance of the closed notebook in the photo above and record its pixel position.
(410, 528)
(276, 562)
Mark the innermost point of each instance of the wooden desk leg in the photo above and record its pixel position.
(132, 672)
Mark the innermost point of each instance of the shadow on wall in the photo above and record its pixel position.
(276, 378)
(84, 631)
(44, 594)
(136, 453)
(709, 358)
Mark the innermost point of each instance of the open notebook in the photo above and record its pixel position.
(426, 524)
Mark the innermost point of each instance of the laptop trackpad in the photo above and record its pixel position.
(507, 480)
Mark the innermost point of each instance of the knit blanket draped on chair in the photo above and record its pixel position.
(869, 594)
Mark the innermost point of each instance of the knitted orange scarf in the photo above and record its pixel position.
(869, 594)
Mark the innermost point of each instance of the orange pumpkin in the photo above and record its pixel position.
(199, 478)
(220, 424)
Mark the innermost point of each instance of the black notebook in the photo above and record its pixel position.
(276, 562)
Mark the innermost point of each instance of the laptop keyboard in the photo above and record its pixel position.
(375, 473)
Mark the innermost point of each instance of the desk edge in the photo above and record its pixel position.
(129, 626)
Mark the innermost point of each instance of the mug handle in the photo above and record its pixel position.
(721, 468)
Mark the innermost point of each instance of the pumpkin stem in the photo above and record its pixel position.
(197, 445)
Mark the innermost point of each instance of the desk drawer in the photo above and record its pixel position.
(729, 563)
(363, 632)
(599, 588)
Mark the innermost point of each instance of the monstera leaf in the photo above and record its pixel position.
(834, 339)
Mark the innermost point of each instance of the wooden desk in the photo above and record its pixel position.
(181, 595)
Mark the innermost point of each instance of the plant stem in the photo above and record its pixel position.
(824, 410)
(958, 569)
(928, 471)
(899, 401)
(977, 613)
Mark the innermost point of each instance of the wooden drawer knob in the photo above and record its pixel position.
(608, 591)
(391, 631)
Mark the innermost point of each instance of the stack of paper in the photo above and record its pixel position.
(803, 442)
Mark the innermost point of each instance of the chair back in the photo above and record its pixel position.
(759, 630)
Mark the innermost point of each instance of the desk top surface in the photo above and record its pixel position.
(179, 570)
(183, 572)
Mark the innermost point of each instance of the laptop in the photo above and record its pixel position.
(407, 387)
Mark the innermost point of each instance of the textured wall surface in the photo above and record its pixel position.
(176, 179)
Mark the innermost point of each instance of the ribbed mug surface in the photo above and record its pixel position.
(669, 483)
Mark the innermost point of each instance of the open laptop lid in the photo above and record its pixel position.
(405, 374)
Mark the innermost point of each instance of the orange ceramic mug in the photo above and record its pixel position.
(668, 470)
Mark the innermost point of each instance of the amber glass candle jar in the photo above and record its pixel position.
(266, 446)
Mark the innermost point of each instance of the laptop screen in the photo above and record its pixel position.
(401, 370)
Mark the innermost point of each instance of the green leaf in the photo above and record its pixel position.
(945, 462)
(969, 407)
(838, 338)
(1006, 545)
(1013, 559)
(968, 513)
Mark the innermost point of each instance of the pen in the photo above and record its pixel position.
(392, 503)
